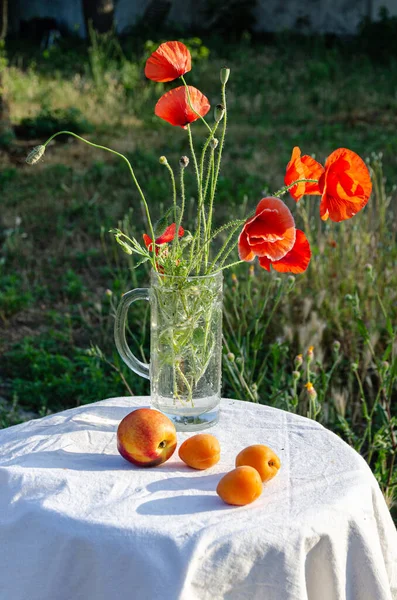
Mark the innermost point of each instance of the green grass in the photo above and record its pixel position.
(61, 273)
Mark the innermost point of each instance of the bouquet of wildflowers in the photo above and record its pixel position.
(269, 233)
(186, 278)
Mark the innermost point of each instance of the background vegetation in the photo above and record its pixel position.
(61, 274)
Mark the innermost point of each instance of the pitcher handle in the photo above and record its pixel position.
(130, 360)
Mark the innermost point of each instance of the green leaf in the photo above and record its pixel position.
(362, 329)
(389, 327)
(146, 258)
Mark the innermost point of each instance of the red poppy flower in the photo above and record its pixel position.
(304, 167)
(168, 62)
(295, 261)
(270, 232)
(174, 107)
(164, 238)
(345, 186)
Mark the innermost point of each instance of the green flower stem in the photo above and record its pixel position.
(275, 306)
(295, 399)
(237, 223)
(191, 105)
(362, 394)
(171, 172)
(308, 372)
(205, 147)
(129, 166)
(197, 236)
(210, 172)
(174, 380)
(368, 429)
(285, 189)
(258, 320)
(224, 250)
(238, 262)
(187, 384)
(336, 362)
(182, 184)
(222, 142)
(238, 374)
(204, 221)
(262, 368)
(228, 251)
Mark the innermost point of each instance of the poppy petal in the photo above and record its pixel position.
(272, 233)
(296, 260)
(148, 241)
(244, 250)
(304, 167)
(173, 106)
(265, 262)
(168, 62)
(345, 185)
(169, 234)
(269, 233)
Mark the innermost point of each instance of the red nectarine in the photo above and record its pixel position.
(146, 437)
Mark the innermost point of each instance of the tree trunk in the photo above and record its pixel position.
(3, 20)
(99, 14)
(6, 132)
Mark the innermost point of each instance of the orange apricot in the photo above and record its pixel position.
(261, 458)
(200, 451)
(240, 486)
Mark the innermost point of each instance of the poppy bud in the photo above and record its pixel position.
(163, 160)
(230, 356)
(214, 143)
(108, 293)
(183, 162)
(225, 72)
(219, 112)
(34, 155)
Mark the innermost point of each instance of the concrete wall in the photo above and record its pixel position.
(67, 12)
(325, 16)
(333, 16)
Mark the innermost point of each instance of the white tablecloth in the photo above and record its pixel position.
(78, 522)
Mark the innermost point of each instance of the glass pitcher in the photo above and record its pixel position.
(185, 346)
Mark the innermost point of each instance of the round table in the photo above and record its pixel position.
(78, 522)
